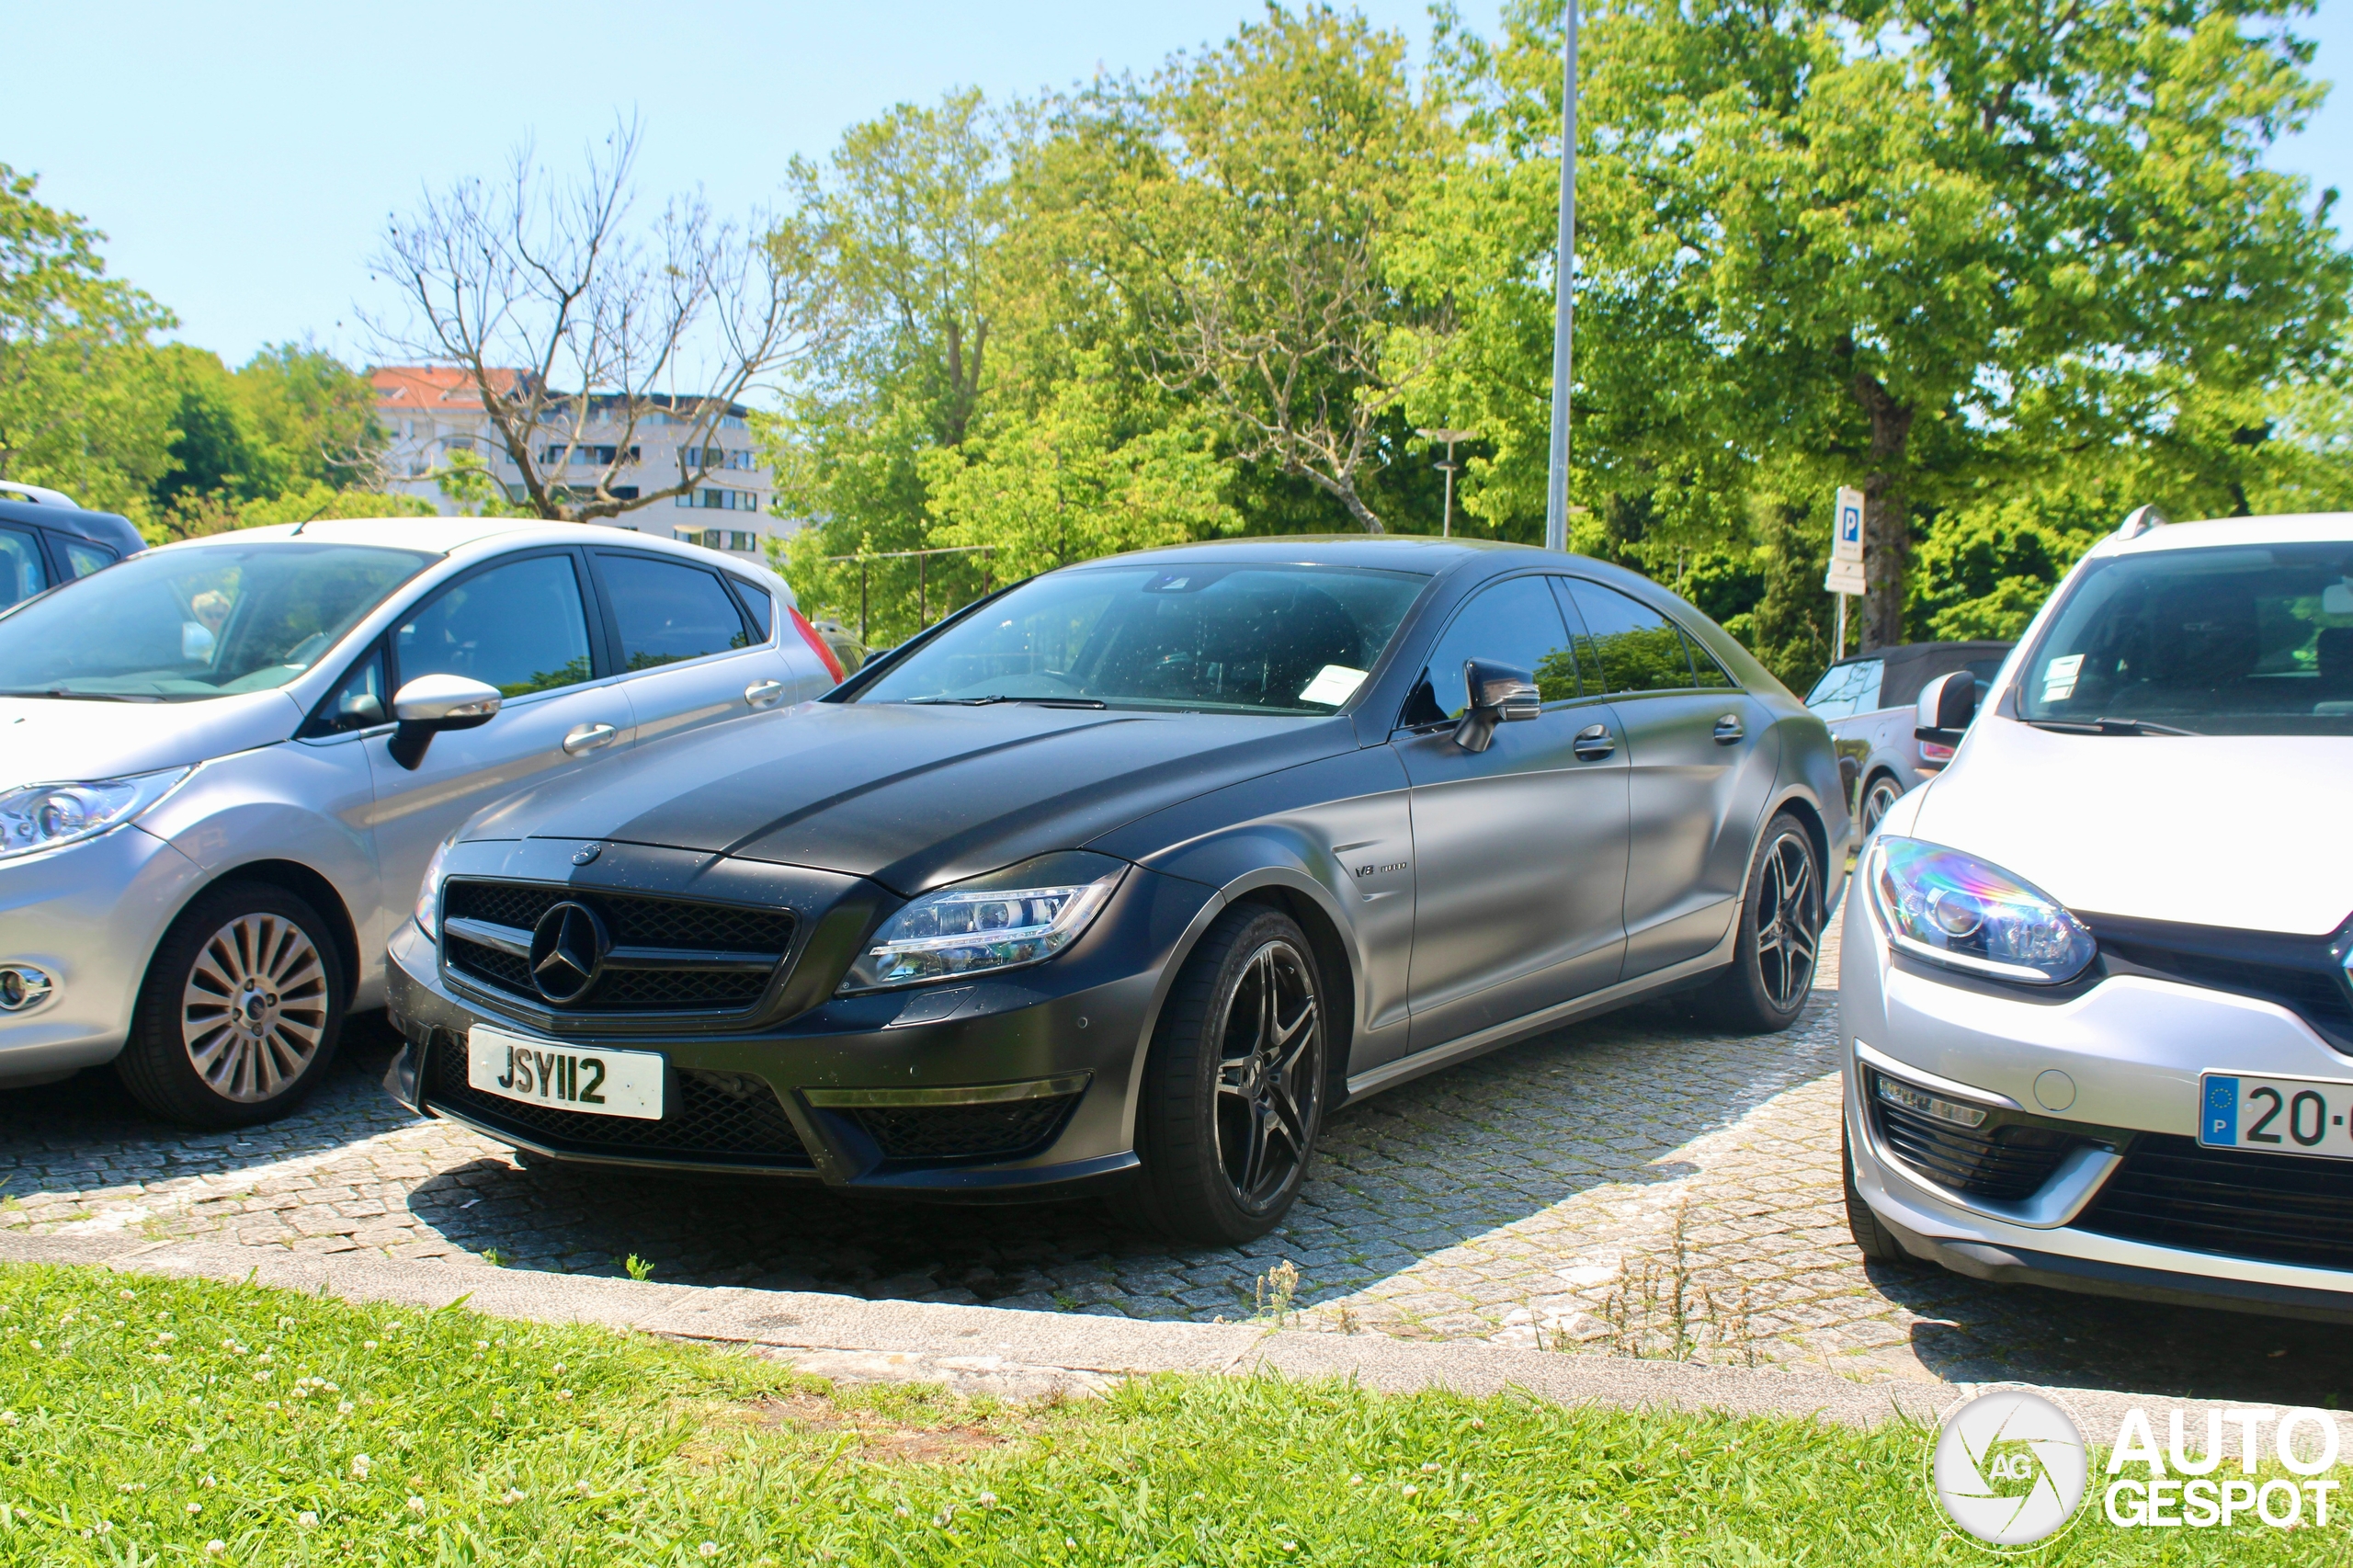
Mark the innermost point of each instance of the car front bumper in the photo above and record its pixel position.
(914, 1091)
(2114, 1071)
(88, 915)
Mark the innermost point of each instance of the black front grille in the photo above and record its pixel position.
(2005, 1162)
(2304, 974)
(728, 1118)
(2278, 1208)
(964, 1132)
(672, 926)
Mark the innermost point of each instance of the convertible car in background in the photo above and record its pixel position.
(1126, 875)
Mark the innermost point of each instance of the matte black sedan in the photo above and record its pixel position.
(1125, 877)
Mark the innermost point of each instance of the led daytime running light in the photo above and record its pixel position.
(972, 929)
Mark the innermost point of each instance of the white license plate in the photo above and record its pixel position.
(552, 1073)
(2277, 1116)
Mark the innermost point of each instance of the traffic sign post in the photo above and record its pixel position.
(1845, 577)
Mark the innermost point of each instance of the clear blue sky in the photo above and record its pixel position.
(242, 158)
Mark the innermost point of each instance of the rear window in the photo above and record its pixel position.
(2231, 640)
(1845, 691)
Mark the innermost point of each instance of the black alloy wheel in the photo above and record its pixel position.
(1771, 975)
(241, 1011)
(1879, 796)
(1234, 1086)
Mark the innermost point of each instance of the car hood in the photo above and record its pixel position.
(47, 740)
(2246, 831)
(910, 796)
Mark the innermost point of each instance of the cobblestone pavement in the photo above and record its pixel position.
(1634, 1184)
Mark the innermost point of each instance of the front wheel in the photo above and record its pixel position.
(1780, 931)
(1879, 796)
(241, 1011)
(1233, 1091)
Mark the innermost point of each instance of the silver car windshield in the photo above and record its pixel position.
(1247, 639)
(2228, 641)
(183, 625)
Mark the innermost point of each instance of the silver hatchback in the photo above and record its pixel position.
(225, 763)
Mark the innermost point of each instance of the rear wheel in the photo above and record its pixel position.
(241, 1011)
(1873, 1239)
(1233, 1085)
(1771, 975)
(1879, 796)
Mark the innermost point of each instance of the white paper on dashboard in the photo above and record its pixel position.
(2059, 677)
(1334, 684)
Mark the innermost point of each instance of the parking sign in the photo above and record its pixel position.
(1846, 543)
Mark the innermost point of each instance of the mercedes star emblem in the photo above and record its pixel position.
(568, 949)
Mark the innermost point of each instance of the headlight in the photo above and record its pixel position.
(1954, 909)
(43, 816)
(1023, 915)
(429, 896)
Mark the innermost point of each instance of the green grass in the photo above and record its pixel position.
(488, 1442)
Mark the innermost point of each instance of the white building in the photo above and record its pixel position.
(433, 411)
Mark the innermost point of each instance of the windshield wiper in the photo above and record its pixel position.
(985, 702)
(2105, 726)
(81, 696)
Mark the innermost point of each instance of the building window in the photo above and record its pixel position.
(736, 539)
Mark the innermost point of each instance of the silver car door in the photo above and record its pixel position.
(1519, 851)
(687, 652)
(522, 625)
(1700, 758)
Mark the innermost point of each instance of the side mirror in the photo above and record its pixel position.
(1499, 695)
(1946, 705)
(430, 704)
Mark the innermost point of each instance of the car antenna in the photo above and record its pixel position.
(312, 519)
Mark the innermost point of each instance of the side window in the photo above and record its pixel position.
(21, 574)
(521, 627)
(1706, 673)
(667, 611)
(1637, 648)
(760, 605)
(360, 701)
(81, 557)
(1845, 691)
(1516, 621)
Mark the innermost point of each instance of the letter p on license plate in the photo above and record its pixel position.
(565, 1075)
(2276, 1115)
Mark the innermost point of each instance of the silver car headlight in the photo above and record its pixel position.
(428, 894)
(43, 816)
(1023, 915)
(1956, 910)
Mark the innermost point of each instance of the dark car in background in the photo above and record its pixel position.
(1125, 876)
(45, 539)
(1867, 702)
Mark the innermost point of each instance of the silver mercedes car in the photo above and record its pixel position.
(225, 763)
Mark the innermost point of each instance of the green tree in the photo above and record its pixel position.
(83, 404)
(318, 413)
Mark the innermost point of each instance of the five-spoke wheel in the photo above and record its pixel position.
(1772, 974)
(1233, 1085)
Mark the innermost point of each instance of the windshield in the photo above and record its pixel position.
(1250, 639)
(2228, 641)
(179, 625)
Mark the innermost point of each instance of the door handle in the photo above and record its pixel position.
(1728, 730)
(760, 693)
(588, 737)
(1594, 743)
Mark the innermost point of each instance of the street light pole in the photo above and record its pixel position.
(1556, 490)
(1448, 468)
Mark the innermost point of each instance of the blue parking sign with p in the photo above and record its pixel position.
(1850, 525)
(2221, 1120)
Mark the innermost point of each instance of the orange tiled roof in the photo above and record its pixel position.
(429, 387)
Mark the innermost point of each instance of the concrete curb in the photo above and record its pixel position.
(1020, 1354)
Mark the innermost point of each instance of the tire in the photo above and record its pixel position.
(1879, 795)
(1232, 1096)
(188, 1059)
(1771, 976)
(1872, 1239)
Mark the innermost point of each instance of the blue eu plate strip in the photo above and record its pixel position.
(2222, 1123)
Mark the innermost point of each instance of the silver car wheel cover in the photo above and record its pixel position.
(1269, 1075)
(1877, 800)
(1786, 932)
(253, 1009)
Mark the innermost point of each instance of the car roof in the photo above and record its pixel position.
(454, 536)
(117, 533)
(1910, 652)
(1399, 553)
(2293, 528)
